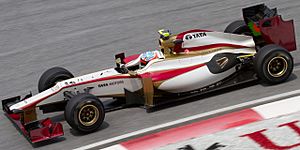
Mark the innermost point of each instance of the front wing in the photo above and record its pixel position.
(26, 122)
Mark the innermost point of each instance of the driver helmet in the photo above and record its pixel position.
(148, 56)
(164, 34)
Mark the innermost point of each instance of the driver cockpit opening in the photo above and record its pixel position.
(167, 43)
(139, 63)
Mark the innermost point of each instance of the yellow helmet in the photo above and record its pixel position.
(164, 34)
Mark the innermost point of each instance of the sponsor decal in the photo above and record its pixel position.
(103, 85)
(111, 83)
(215, 146)
(186, 147)
(116, 82)
(195, 35)
(264, 141)
(70, 83)
(222, 62)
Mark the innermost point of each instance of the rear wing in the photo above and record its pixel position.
(267, 27)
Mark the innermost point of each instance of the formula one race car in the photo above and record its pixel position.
(190, 63)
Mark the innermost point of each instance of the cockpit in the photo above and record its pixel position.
(140, 62)
(145, 58)
(167, 42)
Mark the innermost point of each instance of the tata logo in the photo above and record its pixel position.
(195, 35)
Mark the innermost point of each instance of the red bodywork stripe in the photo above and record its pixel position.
(130, 58)
(193, 130)
(168, 74)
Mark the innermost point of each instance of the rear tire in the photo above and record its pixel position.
(273, 64)
(53, 75)
(85, 113)
(238, 27)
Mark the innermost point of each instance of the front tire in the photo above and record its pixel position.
(273, 64)
(53, 75)
(84, 112)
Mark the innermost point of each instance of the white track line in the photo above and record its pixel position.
(278, 108)
(168, 124)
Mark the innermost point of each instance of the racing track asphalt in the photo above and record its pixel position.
(84, 35)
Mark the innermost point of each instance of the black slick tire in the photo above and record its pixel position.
(273, 64)
(84, 113)
(53, 75)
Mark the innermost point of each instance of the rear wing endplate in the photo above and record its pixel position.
(269, 28)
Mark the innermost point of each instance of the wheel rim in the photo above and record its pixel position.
(277, 66)
(88, 115)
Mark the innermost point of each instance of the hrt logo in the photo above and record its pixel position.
(195, 35)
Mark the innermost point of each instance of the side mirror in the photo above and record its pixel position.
(119, 59)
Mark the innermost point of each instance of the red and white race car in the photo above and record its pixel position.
(188, 64)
